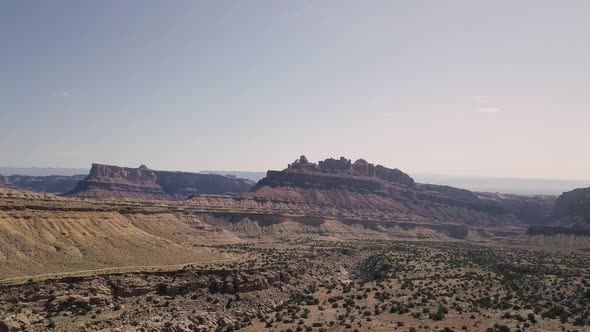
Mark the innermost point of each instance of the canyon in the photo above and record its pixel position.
(117, 216)
(146, 250)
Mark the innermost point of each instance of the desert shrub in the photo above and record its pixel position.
(376, 267)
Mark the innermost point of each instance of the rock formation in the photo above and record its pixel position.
(361, 191)
(155, 292)
(572, 208)
(106, 181)
(360, 168)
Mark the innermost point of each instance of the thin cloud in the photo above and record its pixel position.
(62, 94)
(480, 97)
(72, 153)
(487, 110)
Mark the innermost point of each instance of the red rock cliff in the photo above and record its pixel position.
(364, 188)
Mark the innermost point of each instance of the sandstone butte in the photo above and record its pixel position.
(106, 181)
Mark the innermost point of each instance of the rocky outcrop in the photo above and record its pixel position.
(360, 168)
(77, 303)
(32, 306)
(332, 175)
(106, 181)
(104, 289)
(575, 203)
(572, 209)
(54, 184)
(361, 189)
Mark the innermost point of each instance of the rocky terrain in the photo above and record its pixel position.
(311, 284)
(332, 246)
(106, 181)
(374, 195)
(43, 234)
(148, 300)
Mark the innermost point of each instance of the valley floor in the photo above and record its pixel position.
(84, 265)
(309, 284)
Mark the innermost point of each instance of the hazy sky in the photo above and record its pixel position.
(499, 88)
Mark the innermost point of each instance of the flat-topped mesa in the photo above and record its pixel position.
(107, 181)
(141, 174)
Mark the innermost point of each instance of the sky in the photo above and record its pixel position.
(495, 88)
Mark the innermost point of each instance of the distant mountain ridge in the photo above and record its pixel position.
(4, 183)
(42, 171)
(507, 185)
(54, 184)
(254, 176)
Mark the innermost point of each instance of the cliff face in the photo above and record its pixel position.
(572, 208)
(106, 181)
(346, 169)
(362, 188)
(55, 184)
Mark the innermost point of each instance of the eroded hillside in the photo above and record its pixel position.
(44, 234)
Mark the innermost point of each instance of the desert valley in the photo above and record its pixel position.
(152, 176)
(329, 246)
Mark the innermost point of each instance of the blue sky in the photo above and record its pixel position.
(496, 88)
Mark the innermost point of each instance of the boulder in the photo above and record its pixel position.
(9, 325)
